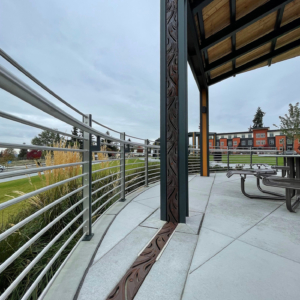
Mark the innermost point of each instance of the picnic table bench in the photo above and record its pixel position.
(289, 184)
(259, 174)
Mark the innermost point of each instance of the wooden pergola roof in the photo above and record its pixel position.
(227, 37)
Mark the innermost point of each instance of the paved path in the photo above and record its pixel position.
(247, 249)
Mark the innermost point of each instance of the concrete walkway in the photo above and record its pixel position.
(246, 248)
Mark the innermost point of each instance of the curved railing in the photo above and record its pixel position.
(75, 190)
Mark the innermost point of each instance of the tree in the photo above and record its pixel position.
(46, 138)
(258, 119)
(8, 154)
(290, 122)
(111, 146)
(34, 154)
(23, 153)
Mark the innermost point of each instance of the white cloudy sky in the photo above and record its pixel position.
(103, 57)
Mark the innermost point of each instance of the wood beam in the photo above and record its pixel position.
(254, 45)
(257, 61)
(244, 22)
(200, 4)
(194, 54)
(232, 21)
(277, 26)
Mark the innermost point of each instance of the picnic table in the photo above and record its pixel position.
(292, 162)
(291, 185)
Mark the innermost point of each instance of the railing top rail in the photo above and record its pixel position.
(16, 87)
(25, 72)
(39, 83)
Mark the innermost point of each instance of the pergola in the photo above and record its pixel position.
(219, 39)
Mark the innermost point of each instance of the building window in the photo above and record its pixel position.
(258, 135)
(218, 144)
(281, 141)
(243, 143)
(262, 135)
(250, 143)
(271, 134)
(243, 136)
(271, 142)
(290, 148)
(235, 143)
(258, 142)
(222, 143)
(280, 148)
(210, 144)
(263, 142)
(229, 136)
(230, 143)
(289, 141)
(249, 136)
(222, 136)
(235, 136)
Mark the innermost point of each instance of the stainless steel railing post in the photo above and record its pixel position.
(227, 158)
(122, 166)
(146, 163)
(87, 180)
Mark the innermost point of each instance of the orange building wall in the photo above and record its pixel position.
(277, 139)
(296, 145)
(238, 140)
(255, 139)
(225, 143)
(211, 143)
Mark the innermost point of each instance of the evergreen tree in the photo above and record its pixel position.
(23, 153)
(258, 119)
(46, 138)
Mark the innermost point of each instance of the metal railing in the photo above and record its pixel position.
(226, 158)
(108, 170)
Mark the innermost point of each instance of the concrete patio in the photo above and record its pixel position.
(246, 248)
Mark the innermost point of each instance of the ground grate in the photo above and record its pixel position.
(129, 285)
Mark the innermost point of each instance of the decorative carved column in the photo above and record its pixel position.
(174, 138)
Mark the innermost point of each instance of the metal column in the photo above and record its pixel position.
(204, 131)
(174, 129)
(87, 180)
(146, 163)
(122, 166)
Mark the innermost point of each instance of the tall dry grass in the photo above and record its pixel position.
(106, 181)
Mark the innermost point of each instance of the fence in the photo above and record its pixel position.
(231, 158)
(103, 170)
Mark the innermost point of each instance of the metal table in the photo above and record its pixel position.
(292, 160)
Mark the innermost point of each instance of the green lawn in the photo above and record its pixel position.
(30, 184)
(245, 159)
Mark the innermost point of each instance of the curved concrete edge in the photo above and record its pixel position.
(67, 283)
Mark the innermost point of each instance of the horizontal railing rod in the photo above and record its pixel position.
(19, 120)
(98, 199)
(100, 179)
(41, 190)
(14, 228)
(50, 263)
(25, 72)
(103, 204)
(14, 284)
(38, 169)
(16, 254)
(100, 170)
(18, 88)
(134, 184)
(102, 187)
(135, 173)
(44, 148)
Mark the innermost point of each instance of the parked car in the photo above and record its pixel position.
(2, 168)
